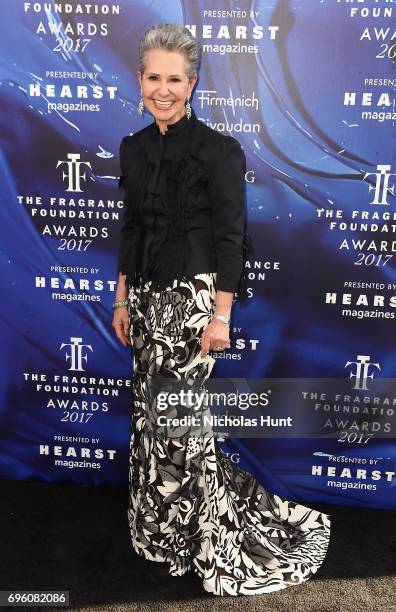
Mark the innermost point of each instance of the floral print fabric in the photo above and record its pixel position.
(189, 505)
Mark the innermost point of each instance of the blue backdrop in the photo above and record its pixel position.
(309, 91)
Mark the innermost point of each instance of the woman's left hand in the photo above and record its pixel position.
(216, 335)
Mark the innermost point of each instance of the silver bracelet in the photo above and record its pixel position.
(222, 318)
(120, 304)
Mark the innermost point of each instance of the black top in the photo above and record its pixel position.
(185, 206)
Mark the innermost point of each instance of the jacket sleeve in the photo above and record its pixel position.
(126, 232)
(226, 187)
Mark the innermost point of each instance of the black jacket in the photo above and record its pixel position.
(185, 206)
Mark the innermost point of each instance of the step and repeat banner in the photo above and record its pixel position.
(308, 89)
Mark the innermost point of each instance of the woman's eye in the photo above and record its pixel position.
(152, 78)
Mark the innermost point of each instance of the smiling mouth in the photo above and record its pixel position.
(163, 104)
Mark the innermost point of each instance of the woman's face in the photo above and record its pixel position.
(165, 80)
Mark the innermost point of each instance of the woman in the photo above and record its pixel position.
(181, 260)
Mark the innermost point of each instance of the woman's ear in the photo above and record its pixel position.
(192, 82)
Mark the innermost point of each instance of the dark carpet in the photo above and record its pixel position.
(76, 538)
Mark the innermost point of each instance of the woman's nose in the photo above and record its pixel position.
(163, 90)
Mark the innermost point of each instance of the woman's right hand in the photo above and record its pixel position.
(121, 325)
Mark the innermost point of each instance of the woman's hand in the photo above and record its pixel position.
(121, 325)
(215, 335)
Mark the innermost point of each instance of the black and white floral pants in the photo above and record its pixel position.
(189, 504)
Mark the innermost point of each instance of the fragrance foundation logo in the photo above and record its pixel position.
(358, 407)
(356, 410)
(373, 247)
(78, 399)
(77, 380)
(362, 367)
(77, 354)
(375, 99)
(74, 224)
(74, 173)
(381, 186)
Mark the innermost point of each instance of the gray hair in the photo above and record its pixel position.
(171, 37)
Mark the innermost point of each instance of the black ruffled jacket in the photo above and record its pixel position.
(184, 206)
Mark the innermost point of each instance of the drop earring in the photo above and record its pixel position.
(141, 106)
(188, 109)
